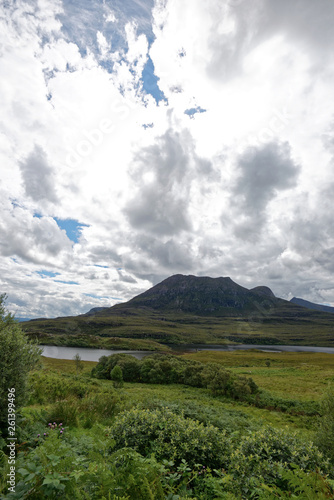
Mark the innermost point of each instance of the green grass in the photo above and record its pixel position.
(90, 408)
(198, 402)
(66, 365)
(302, 376)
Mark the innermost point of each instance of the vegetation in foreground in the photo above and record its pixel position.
(184, 429)
(80, 437)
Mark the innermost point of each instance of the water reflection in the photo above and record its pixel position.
(88, 354)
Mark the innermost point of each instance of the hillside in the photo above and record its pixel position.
(312, 305)
(189, 309)
(203, 296)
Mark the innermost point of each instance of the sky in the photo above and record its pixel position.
(145, 138)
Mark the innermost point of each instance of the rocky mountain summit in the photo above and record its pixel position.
(202, 295)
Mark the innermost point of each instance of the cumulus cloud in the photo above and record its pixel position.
(163, 174)
(263, 172)
(38, 176)
(243, 189)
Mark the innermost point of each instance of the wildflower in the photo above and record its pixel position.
(38, 435)
(44, 433)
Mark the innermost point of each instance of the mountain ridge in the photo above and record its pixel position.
(191, 309)
(312, 305)
(202, 295)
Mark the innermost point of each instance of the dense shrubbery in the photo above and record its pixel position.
(237, 465)
(171, 436)
(167, 369)
(325, 428)
(266, 453)
(50, 387)
(158, 450)
(81, 468)
(159, 455)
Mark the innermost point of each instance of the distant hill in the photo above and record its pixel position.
(191, 309)
(312, 305)
(95, 310)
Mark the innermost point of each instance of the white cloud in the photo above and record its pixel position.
(180, 195)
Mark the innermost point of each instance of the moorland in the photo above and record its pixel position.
(203, 425)
(85, 432)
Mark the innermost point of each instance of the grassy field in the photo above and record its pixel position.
(298, 375)
(84, 437)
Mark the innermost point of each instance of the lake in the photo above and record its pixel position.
(89, 354)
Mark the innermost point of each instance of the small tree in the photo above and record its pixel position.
(116, 376)
(18, 355)
(78, 363)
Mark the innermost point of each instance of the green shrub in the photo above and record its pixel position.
(325, 427)
(64, 411)
(265, 453)
(116, 375)
(168, 369)
(129, 364)
(17, 356)
(79, 468)
(170, 436)
(50, 387)
(225, 383)
(299, 484)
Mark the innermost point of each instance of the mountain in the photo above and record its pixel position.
(202, 296)
(95, 310)
(190, 309)
(312, 305)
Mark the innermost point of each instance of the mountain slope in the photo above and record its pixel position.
(190, 309)
(202, 296)
(312, 305)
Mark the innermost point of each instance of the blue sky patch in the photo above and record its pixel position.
(47, 274)
(150, 82)
(192, 111)
(72, 227)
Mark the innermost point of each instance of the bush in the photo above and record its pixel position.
(267, 452)
(129, 364)
(170, 436)
(116, 375)
(167, 369)
(49, 387)
(80, 468)
(325, 433)
(224, 383)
